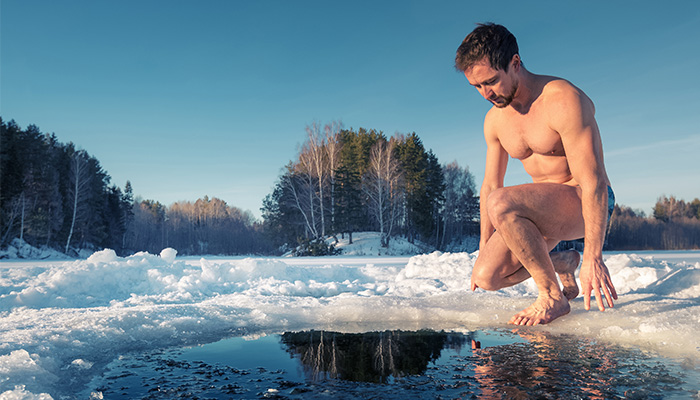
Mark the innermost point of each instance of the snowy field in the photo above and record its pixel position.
(63, 321)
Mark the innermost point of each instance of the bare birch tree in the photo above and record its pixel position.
(307, 187)
(313, 157)
(314, 175)
(23, 201)
(382, 185)
(298, 184)
(460, 209)
(79, 187)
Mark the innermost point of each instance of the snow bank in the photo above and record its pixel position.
(369, 244)
(62, 322)
(18, 248)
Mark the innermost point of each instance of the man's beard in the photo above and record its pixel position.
(504, 101)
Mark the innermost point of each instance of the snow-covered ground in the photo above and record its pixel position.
(63, 321)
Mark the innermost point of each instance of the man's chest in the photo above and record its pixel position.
(525, 137)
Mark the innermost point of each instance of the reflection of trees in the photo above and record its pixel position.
(371, 356)
(546, 365)
(552, 366)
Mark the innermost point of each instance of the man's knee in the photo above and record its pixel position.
(500, 206)
(483, 276)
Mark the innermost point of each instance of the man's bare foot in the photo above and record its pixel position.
(543, 311)
(565, 264)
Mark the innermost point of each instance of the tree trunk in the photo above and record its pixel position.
(80, 179)
(21, 225)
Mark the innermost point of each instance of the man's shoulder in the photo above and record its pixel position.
(558, 92)
(557, 88)
(554, 87)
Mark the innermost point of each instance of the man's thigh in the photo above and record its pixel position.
(555, 209)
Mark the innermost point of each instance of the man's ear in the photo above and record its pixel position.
(516, 62)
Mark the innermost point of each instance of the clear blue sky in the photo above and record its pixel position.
(194, 98)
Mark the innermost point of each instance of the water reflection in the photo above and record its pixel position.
(369, 357)
(560, 366)
(520, 364)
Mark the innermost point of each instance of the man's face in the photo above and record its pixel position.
(496, 86)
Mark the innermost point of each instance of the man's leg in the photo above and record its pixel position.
(497, 268)
(530, 220)
(565, 264)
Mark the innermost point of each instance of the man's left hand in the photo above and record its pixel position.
(595, 276)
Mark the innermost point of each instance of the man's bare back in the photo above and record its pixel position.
(549, 125)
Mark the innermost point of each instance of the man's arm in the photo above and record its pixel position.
(572, 115)
(495, 170)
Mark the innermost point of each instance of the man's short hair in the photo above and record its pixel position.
(488, 40)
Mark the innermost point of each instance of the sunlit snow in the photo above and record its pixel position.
(63, 321)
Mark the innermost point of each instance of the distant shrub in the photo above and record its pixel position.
(315, 248)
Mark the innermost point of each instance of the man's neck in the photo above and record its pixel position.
(528, 90)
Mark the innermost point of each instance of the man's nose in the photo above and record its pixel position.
(486, 92)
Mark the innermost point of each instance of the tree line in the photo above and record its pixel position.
(57, 196)
(346, 181)
(206, 226)
(673, 225)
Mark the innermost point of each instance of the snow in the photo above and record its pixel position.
(18, 248)
(369, 244)
(63, 321)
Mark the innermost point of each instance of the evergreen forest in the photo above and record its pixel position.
(55, 195)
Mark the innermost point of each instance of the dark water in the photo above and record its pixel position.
(518, 364)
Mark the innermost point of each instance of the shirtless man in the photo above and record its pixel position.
(548, 124)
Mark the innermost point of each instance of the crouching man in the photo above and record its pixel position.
(549, 125)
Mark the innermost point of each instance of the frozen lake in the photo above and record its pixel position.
(66, 326)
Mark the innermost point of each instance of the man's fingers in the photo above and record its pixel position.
(602, 287)
(599, 299)
(587, 299)
(612, 289)
(608, 297)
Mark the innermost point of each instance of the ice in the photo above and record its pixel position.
(20, 393)
(168, 255)
(630, 271)
(20, 365)
(62, 322)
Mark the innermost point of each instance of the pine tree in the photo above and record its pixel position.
(414, 163)
(11, 172)
(348, 198)
(434, 197)
(127, 211)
